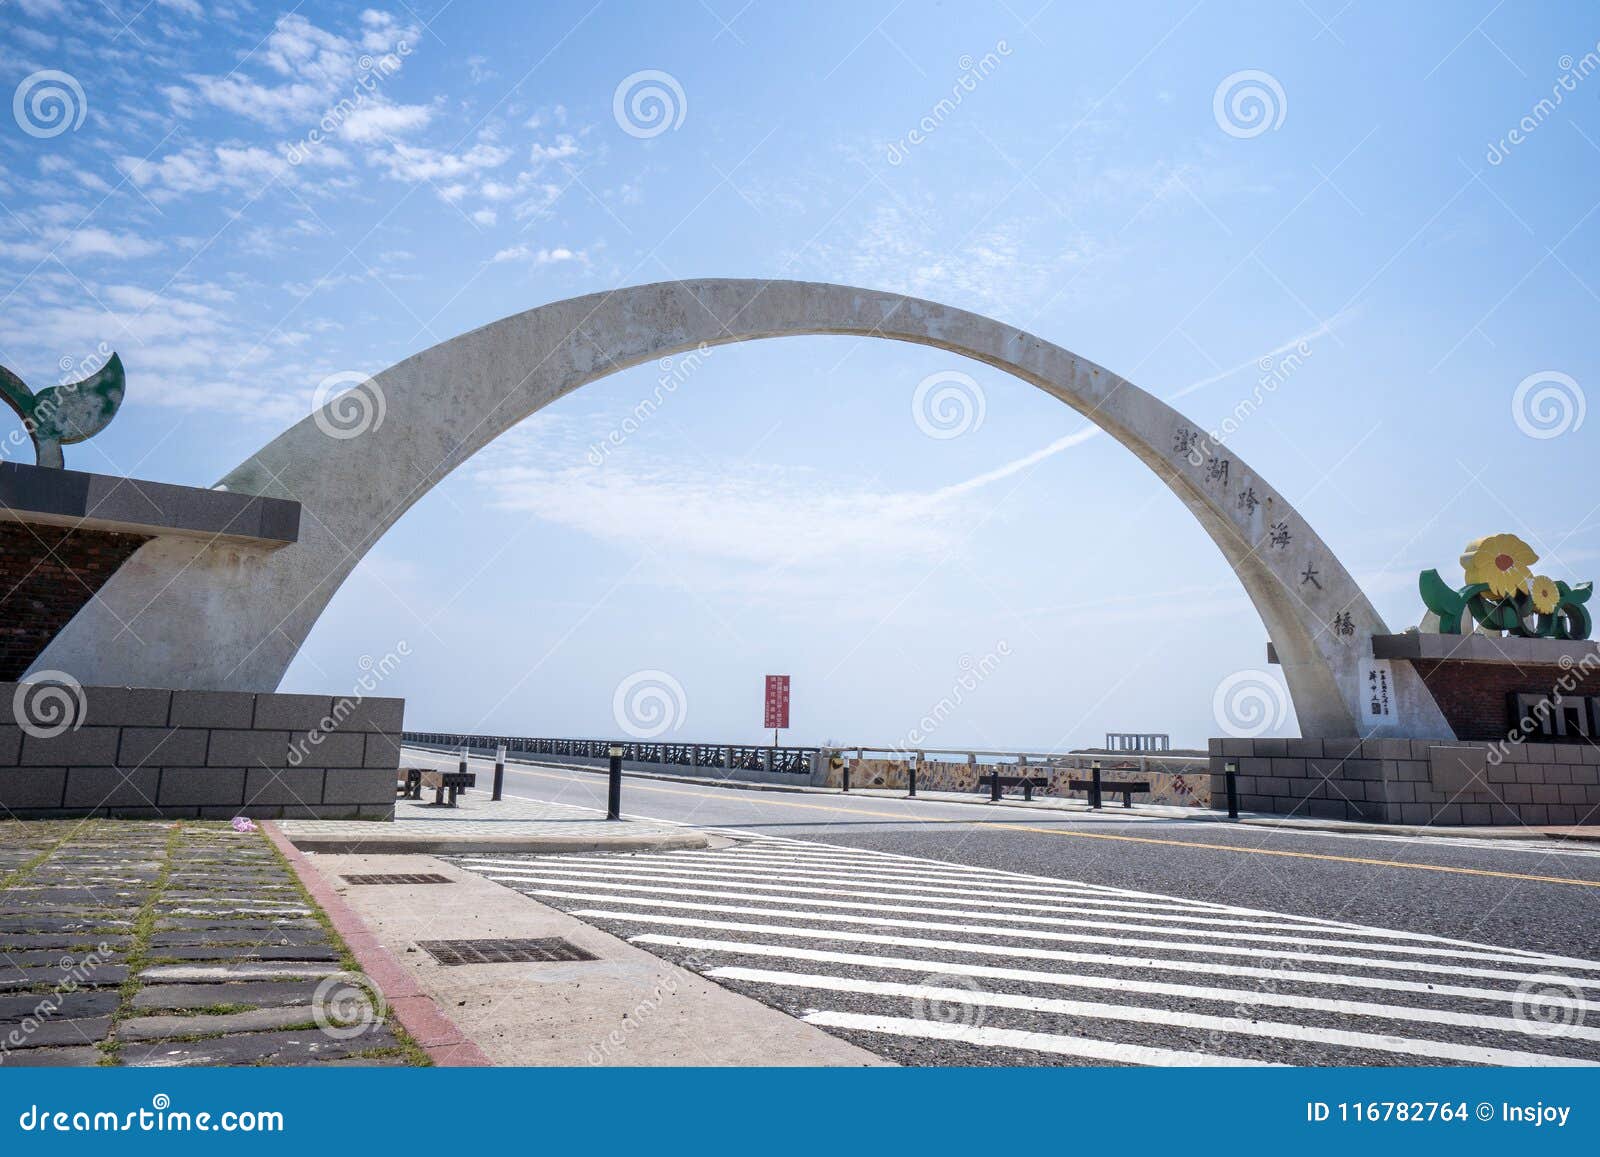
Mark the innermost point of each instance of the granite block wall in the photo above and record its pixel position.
(140, 752)
(1411, 781)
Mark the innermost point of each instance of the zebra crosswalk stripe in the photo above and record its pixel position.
(1087, 1048)
(1179, 944)
(1058, 968)
(1125, 942)
(1145, 986)
(1282, 1030)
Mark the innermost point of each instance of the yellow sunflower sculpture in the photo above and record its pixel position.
(1503, 561)
(1546, 595)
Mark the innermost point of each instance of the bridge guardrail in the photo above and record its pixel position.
(734, 756)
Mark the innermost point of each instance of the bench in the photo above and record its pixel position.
(454, 782)
(1125, 788)
(1027, 782)
(408, 782)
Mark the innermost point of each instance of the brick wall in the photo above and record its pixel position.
(1475, 697)
(1392, 781)
(149, 753)
(46, 574)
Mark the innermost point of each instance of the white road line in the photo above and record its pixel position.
(736, 878)
(1188, 939)
(931, 870)
(1262, 996)
(670, 867)
(910, 860)
(1052, 954)
(813, 896)
(608, 869)
(1105, 1052)
(1139, 1014)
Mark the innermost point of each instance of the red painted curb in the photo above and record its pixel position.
(435, 1033)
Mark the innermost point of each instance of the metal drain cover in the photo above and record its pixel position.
(401, 878)
(550, 949)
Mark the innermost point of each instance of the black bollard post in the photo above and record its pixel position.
(614, 792)
(845, 772)
(994, 785)
(1231, 770)
(1094, 780)
(1027, 789)
(499, 771)
(911, 780)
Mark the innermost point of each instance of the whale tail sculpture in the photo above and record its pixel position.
(58, 416)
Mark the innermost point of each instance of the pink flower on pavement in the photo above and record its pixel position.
(244, 824)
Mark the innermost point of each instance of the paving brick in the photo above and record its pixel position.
(201, 786)
(249, 749)
(85, 747)
(96, 787)
(292, 712)
(162, 747)
(213, 709)
(259, 994)
(295, 1047)
(71, 1056)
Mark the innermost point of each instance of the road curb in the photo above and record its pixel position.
(435, 1033)
(391, 845)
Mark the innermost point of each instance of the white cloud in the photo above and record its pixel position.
(485, 217)
(41, 9)
(321, 69)
(541, 256)
(405, 162)
(750, 515)
(186, 7)
(565, 146)
(378, 121)
(201, 169)
(67, 244)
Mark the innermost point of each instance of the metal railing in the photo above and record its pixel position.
(728, 756)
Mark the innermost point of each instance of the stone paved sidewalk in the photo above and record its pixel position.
(159, 944)
(477, 823)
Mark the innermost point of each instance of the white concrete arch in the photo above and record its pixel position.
(221, 617)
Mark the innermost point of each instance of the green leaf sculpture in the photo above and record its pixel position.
(58, 416)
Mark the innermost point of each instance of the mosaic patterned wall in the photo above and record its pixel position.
(1181, 786)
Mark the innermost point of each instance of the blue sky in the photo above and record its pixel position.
(1371, 239)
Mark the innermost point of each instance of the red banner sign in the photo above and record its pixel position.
(777, 701)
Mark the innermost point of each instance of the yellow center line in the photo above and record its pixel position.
(1010, 827)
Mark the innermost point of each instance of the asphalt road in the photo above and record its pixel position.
(1536, 895)
(962, 933)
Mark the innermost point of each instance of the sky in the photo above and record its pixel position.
(1376, 226)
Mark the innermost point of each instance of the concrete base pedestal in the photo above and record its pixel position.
(1412, 781)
